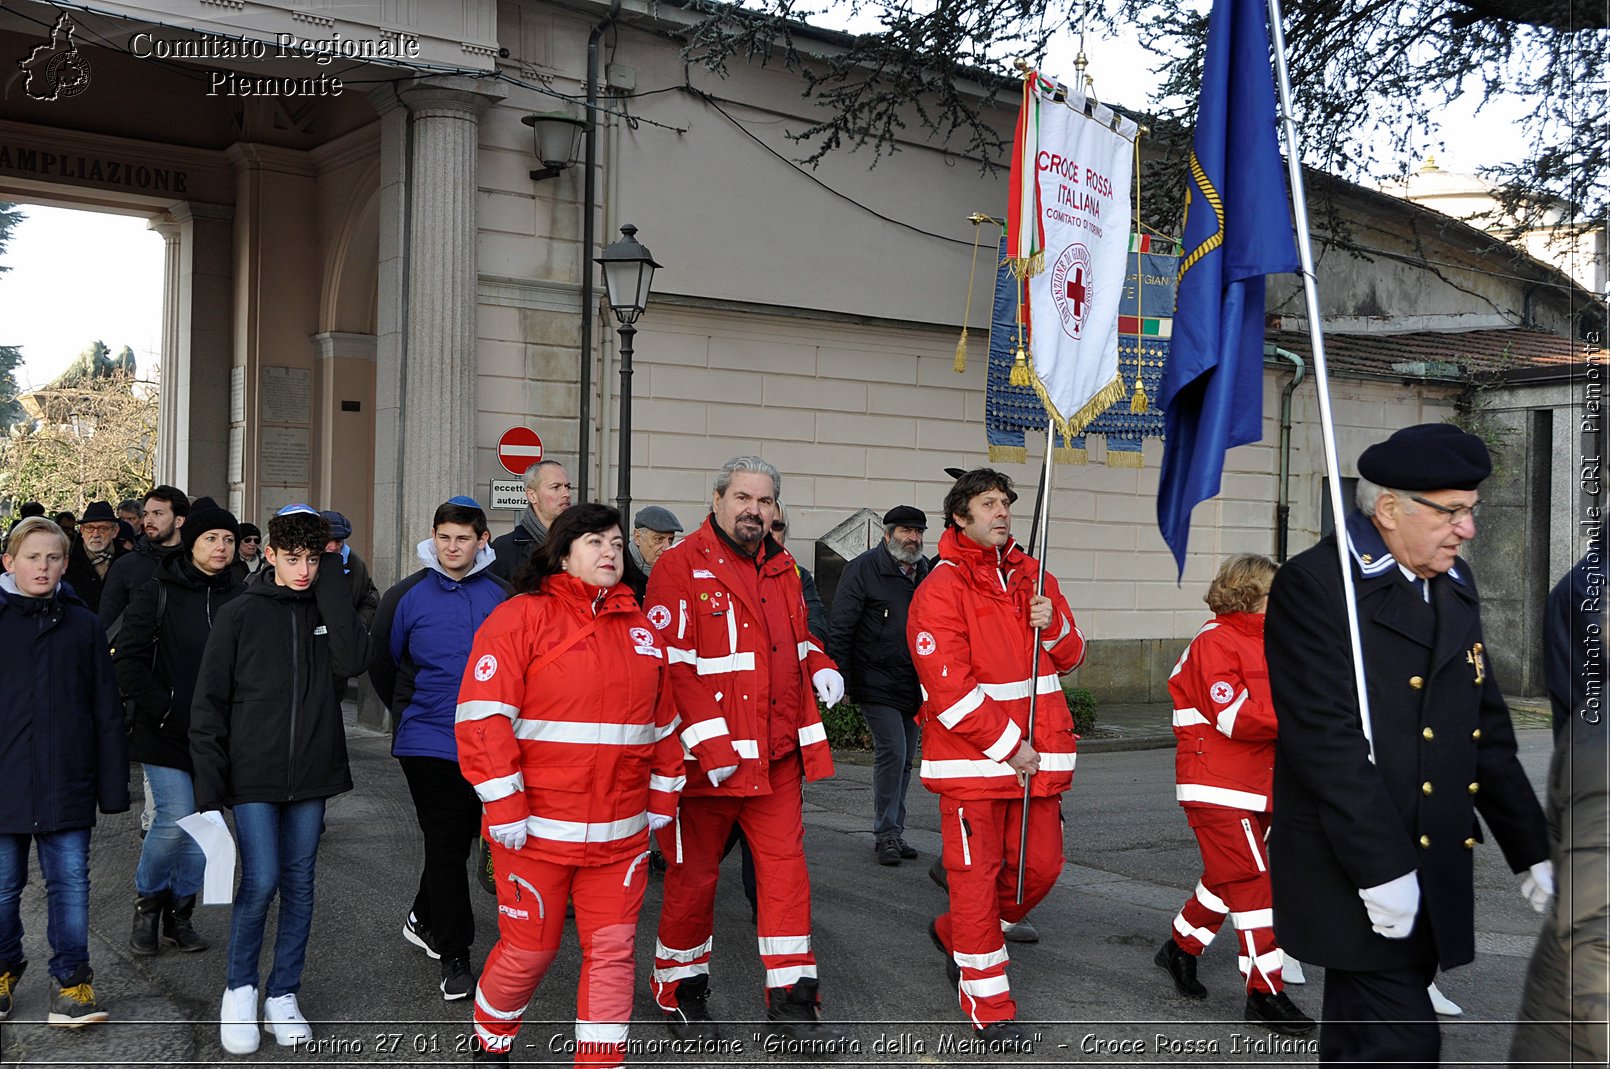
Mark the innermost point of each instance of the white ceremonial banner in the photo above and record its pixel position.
(1085, 170)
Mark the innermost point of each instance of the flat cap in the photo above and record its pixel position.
(1427, 456)
(906, 516)
(98, 512)
(340, 526)
(658, 518)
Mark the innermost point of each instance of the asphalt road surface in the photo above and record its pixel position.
(1089, 987)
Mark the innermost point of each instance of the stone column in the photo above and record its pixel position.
(438, 398)
(193, 418)
(168, 420)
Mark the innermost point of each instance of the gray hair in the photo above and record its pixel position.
(753, 464)
(534, 472)
(1367, 495)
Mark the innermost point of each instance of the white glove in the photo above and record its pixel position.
(718, 775)
(1537, 887)
(829, 686)
(1392, 905)
(508, 836)
(217, 817)
(656, 821)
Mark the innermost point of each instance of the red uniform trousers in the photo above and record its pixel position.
(693, 844)
(1235, 883)
(531, 919)
(981, 837)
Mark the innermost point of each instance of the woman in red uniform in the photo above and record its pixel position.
(1224, 724)
(564, 728)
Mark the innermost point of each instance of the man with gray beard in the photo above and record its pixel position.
(867, 639)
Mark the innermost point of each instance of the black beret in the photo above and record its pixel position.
(955, 473)
(1427, 456)
(906, 516)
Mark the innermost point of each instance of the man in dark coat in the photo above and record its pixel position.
(547, 494)
(163, 515)
(655, 528)
(94, 550)
(867, 638)
(1371, 854)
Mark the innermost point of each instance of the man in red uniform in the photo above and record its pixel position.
(727, 603)
(1224, 721)
(972, 630)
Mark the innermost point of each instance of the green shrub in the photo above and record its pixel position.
(1082, 704)
(846, 728)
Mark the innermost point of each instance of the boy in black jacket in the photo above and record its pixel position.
(267, 740)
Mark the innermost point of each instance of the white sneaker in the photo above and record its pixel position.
(1445, 1006)
(284, 1020)
(237, 1021)
(1291, 972)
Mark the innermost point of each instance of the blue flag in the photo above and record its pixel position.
(1237, 230)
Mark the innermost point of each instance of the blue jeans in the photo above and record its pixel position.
(894, 744)
(64, 860)
(170, 860)
(278, 843)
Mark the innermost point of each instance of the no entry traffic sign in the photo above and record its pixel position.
(518, 449)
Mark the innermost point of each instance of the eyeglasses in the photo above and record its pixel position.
(778, 527)
(251, 538)
(1456, 514)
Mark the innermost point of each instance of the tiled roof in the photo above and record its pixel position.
(1439, 355)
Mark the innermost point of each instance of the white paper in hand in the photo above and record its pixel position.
(218, 885)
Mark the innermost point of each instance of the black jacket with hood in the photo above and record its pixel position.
(157, 665)
(264, 723)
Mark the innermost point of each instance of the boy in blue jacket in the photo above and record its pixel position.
(422, 637)
(63, 752)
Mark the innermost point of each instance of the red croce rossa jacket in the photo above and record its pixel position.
(714, 636)
(1224, 716)
(581, 749)
(972, 644)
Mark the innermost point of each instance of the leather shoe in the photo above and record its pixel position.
(1182, 967)
(936, 873)
(1022, 932)
(1003, 1032)
(952, 970)
(1278, 1014)
(907, 851)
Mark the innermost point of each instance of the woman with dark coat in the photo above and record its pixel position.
(157, 657)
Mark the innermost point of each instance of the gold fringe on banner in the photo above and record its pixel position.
(1068, 454)
(1008, 454)
(1026, 268)
(1119, 458)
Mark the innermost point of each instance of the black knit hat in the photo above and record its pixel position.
(199, 523)
(1427, 456)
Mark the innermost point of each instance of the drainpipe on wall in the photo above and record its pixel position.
(588, 237)
(1283, 507)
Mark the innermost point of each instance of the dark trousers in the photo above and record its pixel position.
(894, 743)
(449, 816)
(1380, 1018)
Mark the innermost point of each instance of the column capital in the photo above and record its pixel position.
(451, 94)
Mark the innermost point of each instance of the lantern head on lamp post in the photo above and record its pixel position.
(555, 136)
(628, 275)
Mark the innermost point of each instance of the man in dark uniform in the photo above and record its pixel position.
(1372, 860)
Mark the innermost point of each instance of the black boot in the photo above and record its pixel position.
(794, 1013)
(691, 1020)
(177, 931)
(1182, 967)
(147, 917)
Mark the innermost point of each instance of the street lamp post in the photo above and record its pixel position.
(628, 274)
